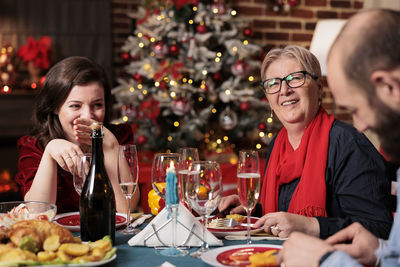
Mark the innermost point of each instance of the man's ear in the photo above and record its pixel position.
(387, 87)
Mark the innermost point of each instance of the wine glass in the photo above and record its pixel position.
(186, 156)
(82, 167)
(203, 192)
(164, 166)
(128, 170)
(248, 179)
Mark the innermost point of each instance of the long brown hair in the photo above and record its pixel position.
(59, 82)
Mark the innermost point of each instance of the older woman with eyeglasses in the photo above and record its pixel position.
(321, 174)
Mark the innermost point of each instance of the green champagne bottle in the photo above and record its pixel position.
(97, 203)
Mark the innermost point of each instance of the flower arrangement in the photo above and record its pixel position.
(36, 55)
(36, 51)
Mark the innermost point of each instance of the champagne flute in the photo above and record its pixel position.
(186, 156)
(82, 167)
(128, 171)
(248, 179)
(164, 166)
(203, 192)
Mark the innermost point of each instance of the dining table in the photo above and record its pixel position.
(149, 256)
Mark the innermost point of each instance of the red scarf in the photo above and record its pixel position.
(308, 161)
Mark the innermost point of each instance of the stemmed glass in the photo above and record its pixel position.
(128, 170)
(248, 179)
(162, 164)
(82, 167)
(203, 192)
(186, 156)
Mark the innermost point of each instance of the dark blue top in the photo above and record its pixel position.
(357, 187)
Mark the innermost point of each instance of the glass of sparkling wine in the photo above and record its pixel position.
(128, 173)
(248, 179)
(82, 166)
(203, 192)
(186, 156)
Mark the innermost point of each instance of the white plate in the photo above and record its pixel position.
(96, 263)
(233, 231)
(210, 257)
(76, 228)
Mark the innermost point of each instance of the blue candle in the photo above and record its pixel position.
(171, 188)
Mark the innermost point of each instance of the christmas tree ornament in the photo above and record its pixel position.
(174, 49)
(160, 49)
(248, 32)
(201, 28)
(240, 68)
(218, 8)
(245, 106)
(137, 78)
(228, 119)
(217, 76)
(262, 126)
(180, 106)
(125, 56)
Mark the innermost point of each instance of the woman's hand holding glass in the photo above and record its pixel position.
(203, 192)
(128, 174)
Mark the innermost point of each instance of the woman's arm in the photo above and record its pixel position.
(44, 185)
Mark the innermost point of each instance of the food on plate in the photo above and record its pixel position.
(23, 212)
(36, 242)
(38, 232)
(237, 217)
(215, 222)
(263, 259)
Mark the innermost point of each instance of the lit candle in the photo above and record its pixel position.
(171, 188)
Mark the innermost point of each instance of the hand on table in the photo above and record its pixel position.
(232, 200)
(302, 250)
(363, 244)
(283, 223)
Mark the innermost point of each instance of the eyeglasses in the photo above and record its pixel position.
(293, 80)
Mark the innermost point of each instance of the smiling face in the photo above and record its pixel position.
(293, 106)
(84, 101)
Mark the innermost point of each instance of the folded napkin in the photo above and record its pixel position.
(165, 234)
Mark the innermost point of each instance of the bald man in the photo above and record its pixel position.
(364, 77)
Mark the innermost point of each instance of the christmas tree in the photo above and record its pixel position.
(193, 80)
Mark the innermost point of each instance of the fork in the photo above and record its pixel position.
(225, 222)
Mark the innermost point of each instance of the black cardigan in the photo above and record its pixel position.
(358, 188)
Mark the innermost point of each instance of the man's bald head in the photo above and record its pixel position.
(369, 41)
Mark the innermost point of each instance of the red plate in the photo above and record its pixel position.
(71, 220)
(240, 256)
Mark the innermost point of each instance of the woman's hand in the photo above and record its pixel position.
(83, 132)
(232, 200)
(283, 223)
(65, 153)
